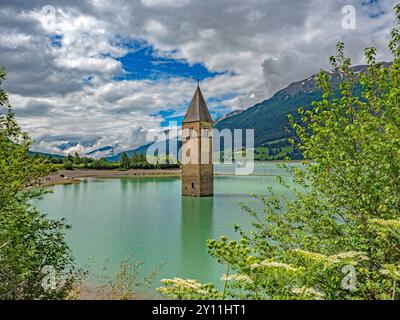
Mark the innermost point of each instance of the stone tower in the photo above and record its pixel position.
(197, 165)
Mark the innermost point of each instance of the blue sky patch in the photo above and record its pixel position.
(374, 4)
(170, 116)
(167, 121)
(56, 40)
(142, 63)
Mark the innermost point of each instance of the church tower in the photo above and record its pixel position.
(197, 165)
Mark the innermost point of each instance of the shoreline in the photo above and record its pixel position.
(75, 176)
(64, 177)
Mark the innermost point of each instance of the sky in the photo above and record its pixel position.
(88, 74)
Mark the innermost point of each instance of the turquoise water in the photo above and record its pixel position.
(146, 216)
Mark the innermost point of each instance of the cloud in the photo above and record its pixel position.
(165, 3)
(34, 109)
(67, 74)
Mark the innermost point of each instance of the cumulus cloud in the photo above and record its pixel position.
(63, 58)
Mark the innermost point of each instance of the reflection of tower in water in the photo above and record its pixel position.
(196, 229)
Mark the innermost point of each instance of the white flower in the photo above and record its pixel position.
(311, 292)
(237, 277)
(272, 264)
(347, 255)
(311, 255)
(185, 284)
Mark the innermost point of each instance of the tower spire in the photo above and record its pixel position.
(198, 110)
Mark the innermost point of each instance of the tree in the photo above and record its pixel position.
(138, 158)
(125, 162)
(340, 237)
(85, 163)
(32, 247)
(68, 165)
(77, 160)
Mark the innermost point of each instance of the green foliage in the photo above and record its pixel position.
(139, 161)
(125, 162)
(29, 241)
(68, 165)
(127, 284)
(77, 160)
(340, 237)
(138, 158)
(269, 118)
(187, 289)
(276, 150)
(102, 164)
(50, 158)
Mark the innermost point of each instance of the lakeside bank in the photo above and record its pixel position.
(63, 176)
(75, 176)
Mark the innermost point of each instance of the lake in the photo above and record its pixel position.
(146, 216)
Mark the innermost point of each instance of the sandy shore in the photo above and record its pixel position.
(91, 292)
(75, 176)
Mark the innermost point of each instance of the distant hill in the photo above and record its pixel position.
(67, 145)
(102, 152)
(269, 118)
(140, 150)
(46, 155)
(230, 114)
(117, 157)
(103, 149)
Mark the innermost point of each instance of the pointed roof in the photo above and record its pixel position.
(198, 110)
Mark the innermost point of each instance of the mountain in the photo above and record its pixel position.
(101, 152)
(230, 114)
(67, 145)
(117, 157)
(142, 150)
(102, 149)
(46, 155)
(269, 118)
